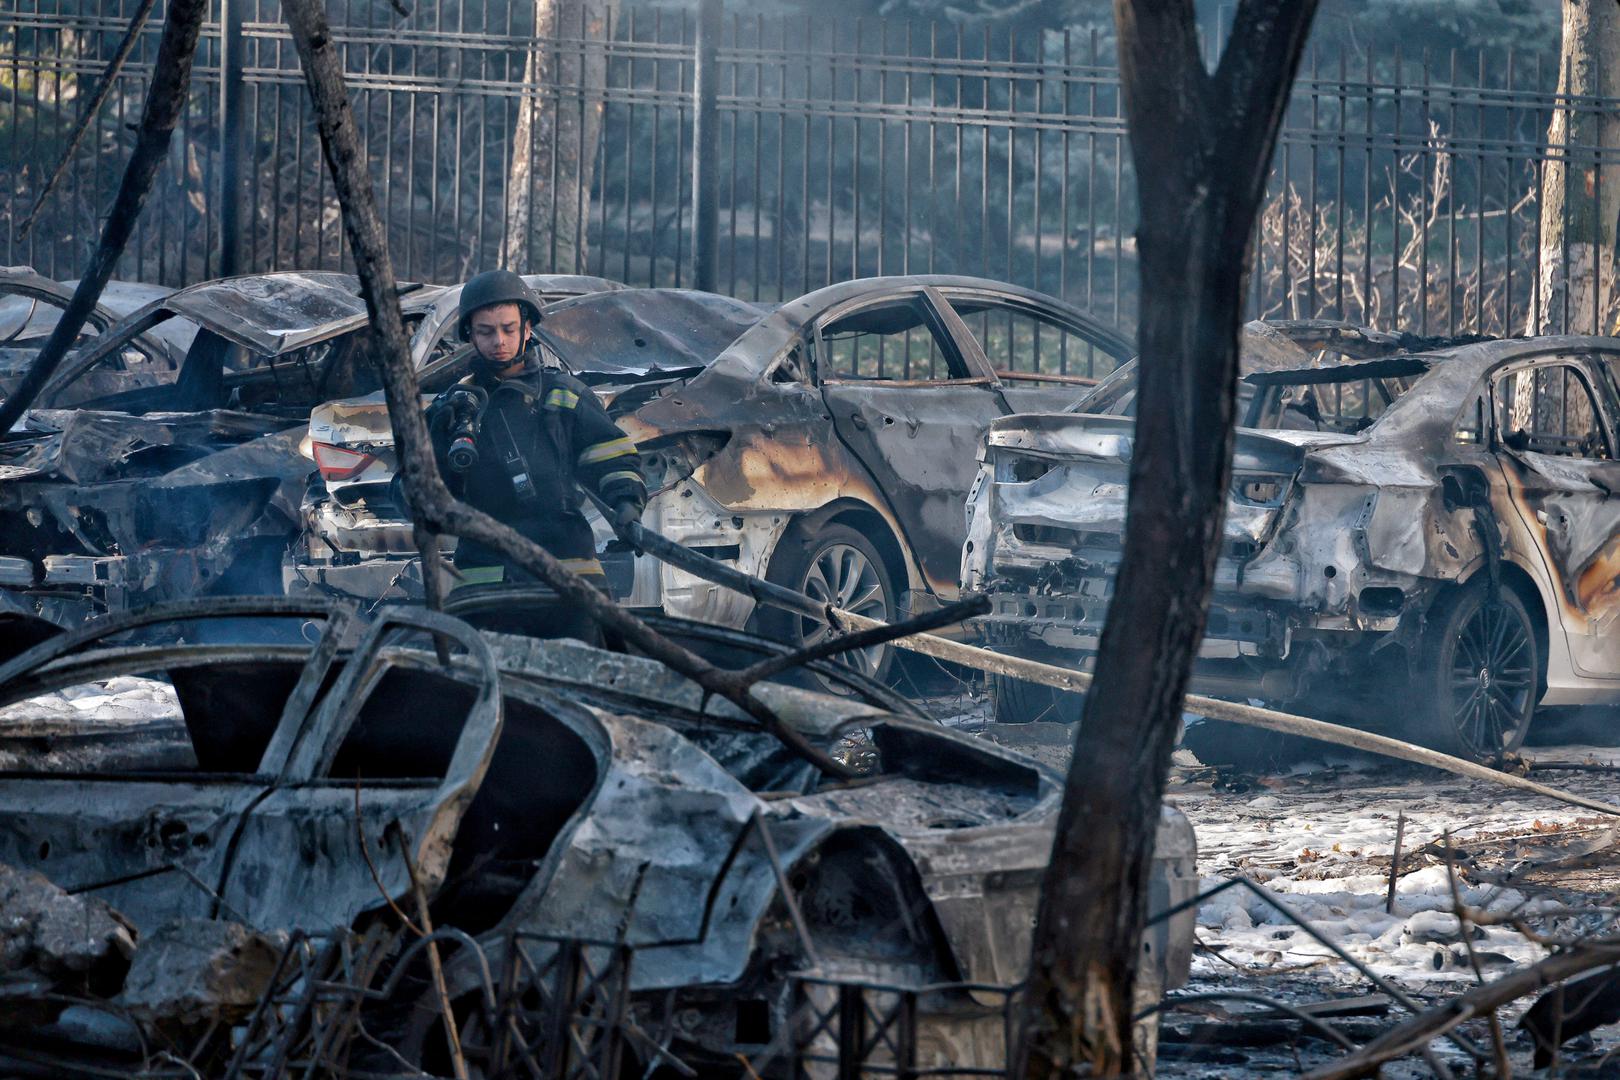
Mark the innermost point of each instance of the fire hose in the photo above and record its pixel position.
(956, 652)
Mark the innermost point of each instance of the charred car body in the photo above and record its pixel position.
(147, 473)
(31, 304)
(548, 788)
(1439, 521)
(824, 444)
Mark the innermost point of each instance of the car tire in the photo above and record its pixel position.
(832, 562)
(1014, 701)
(1478, 674)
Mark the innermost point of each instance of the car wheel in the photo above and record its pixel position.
(1014, 701)
(1478, 676)
(832, 564)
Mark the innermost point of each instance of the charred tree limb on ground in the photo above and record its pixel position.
(1415, 1034)
(1202, 146)
(165, 101)
(433, 508)
(109, 78)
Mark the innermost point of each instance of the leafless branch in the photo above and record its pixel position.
(165, 101)
(109, 78)
(863, 639)
(1504, 1068)
(433, 507)
(1417, 1032)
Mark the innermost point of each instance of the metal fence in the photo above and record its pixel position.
(1405, 192)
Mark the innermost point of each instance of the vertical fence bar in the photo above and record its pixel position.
(831, 128)
(1597, 201)
(1395, 200)
(779, 227)
(933, 145)
(759, 145)
(1369, 299)
(851, 1032)
(680, 154)
(732, 164)
(905, 1054)
(1480, 180)
(857, 98)
(1425, 193)
(1310, 183)
(706, 149)
(882, 157)
(1341, 150)
(1507, 199)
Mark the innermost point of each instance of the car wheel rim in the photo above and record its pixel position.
(843, 576)
(1492, 679)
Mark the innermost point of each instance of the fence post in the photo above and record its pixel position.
(232, 137)
(851, 1031)
(706, 149)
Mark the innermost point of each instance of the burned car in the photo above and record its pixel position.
(144, 475)
(544, 791)
(31, 304)
(1433, 523)
(823, 444)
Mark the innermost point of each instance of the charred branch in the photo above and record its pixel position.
(1479, 1002)
(165, 101)
(864, 639)
(109, 78)
(433, 508)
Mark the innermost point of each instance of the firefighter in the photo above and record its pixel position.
(514, 437)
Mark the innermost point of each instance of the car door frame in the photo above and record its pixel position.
(943, 319)
(238, 873)
(1564, 606)
(954, 338)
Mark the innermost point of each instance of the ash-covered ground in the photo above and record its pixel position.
(1318, 836)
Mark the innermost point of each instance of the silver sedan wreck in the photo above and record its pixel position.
(1434, 522)
(323, 777)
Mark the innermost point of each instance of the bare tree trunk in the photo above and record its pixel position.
(1202, 146)
(1580, 198)
(554, 142)
(165, 101)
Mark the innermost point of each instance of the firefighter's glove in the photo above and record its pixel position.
(626, 512)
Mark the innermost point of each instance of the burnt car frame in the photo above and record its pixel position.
(824, 444)
(30, 305)
(1438, 523)
(144, 474)
(550, 789)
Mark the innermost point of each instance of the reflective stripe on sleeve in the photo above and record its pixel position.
(622, 474)
(607, 451)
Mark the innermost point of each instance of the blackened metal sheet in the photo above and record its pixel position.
(641, 331)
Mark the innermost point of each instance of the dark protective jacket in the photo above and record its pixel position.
(562, 435)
